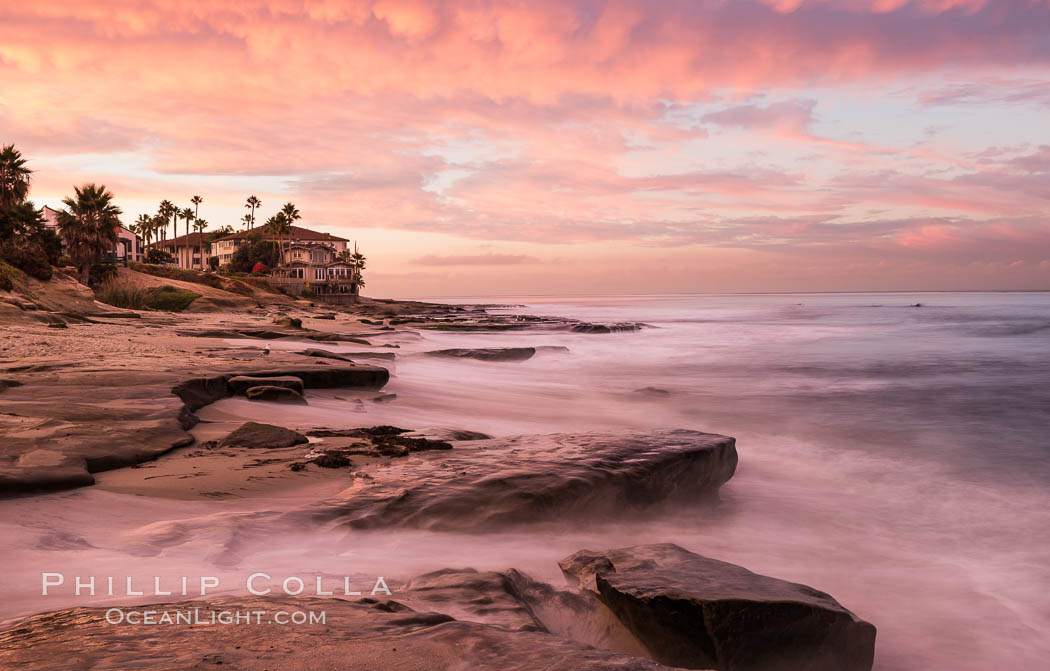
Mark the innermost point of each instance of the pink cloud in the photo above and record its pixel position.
(528, 121)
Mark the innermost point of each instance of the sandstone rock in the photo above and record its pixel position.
(487, 354)
(275, 394)
(584, 327)
(349, 356)
(288, 322)
(361, 634)
(331, 459)
(498, 482)
(695, 612)
(262, 436)
(338, 337)
(325, 354)
(325, 315)
(240, 384)
(652, 392)
(488, 597)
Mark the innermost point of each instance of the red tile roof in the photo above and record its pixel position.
(296, 233)
(195, 240)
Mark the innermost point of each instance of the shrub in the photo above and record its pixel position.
(51, 244)
(122, 293)
(27, 256)
(64, 261)
(10, 277)
(170, 299)
(249, 254)
(158, 256)
(100, 272)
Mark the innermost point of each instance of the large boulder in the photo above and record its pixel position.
(695, 612)
(240, 384)
(493, 483)
(487, 354)
(262, 436)
(275, 394)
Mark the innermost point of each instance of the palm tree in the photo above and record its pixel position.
(143, 227)
(167, 210)
(157, 226)
(291, 213)
(199, 225)
(196, 200)
(253, 203)
(89, 226)
(14, 177)
(277, 226)
(188, 215)
(247, 220)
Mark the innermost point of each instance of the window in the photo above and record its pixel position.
(319, 273)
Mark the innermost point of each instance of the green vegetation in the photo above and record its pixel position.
(194, 276)
(170, 299)
(183, 275)
(159, 256)
(10, 277)
(124, 293)
(255, 250)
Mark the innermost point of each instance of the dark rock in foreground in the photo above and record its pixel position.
(488, 354)
(262, 436)
(695, 612)
(364, 634)
(485, 483)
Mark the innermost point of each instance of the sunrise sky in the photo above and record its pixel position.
(566, 146)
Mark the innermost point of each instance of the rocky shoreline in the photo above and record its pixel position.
(117, 392)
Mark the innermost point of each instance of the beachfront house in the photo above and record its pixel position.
(225, 246)
(189, 251)
(312, 263)
(318, 270)
(129, 247)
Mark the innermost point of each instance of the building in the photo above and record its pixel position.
(225, 246)
(189, 251)
(129, 246)
(317, 270)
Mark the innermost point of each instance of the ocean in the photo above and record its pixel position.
(894, 452)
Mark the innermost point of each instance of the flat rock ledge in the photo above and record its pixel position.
(362, 634)
(487, 354)
(486, 484)
(64, 421)
(201, 391)
(640, 609)
(694, 612)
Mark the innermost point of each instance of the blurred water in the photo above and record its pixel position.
(894, 456)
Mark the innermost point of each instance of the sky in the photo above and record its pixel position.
(566, 146)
